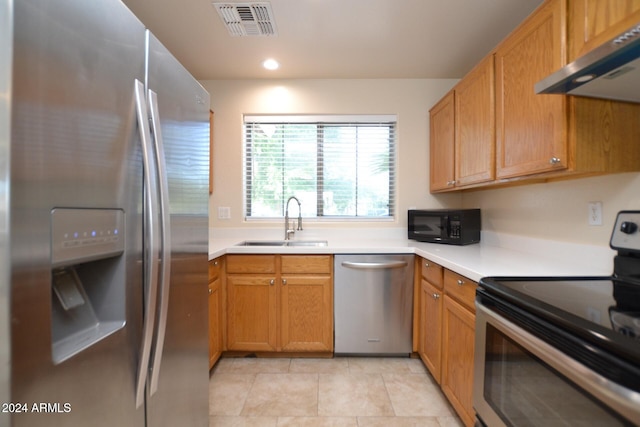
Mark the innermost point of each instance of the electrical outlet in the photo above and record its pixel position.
(595, 213)
(224, 212)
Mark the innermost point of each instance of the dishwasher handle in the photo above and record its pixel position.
(374, 265)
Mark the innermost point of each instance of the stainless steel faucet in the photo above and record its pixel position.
(289, 231)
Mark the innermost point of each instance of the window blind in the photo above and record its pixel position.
(337, 166)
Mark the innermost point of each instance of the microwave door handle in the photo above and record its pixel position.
(446, 227)
(151, 247)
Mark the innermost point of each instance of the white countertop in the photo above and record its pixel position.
(496, 255)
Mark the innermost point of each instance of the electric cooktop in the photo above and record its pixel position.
(602, 310)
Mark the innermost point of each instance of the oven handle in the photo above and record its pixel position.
(621, 399)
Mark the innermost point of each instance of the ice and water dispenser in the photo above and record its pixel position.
(88, 275)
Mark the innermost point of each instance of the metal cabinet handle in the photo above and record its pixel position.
(426, 264)
(460, 282)
(284, 282)
(215, 262)
(436, 296)
(272, 282)
(554, 161)
(451, 182)
(210, 291)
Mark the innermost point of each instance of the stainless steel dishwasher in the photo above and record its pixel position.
(373, 304)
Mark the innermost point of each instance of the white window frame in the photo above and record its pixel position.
(385, 119)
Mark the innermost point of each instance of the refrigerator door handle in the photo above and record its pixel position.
(165, 234)
(151, 243)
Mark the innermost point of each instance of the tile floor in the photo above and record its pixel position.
(339, 392)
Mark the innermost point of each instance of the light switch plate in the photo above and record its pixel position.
(224, 212)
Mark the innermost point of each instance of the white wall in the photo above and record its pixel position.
(555, 211)
(558, 210)
(409, 99)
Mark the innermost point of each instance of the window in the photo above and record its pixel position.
(337, 166)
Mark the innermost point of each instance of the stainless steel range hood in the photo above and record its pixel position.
(610, 71)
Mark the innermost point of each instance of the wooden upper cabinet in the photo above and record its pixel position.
(441, 144)
(593, 22)
(493, 129)
(475, 125)
(531, 129)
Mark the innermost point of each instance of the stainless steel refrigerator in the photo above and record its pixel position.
(104, 160)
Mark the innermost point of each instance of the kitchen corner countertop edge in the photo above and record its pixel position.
(515, 257)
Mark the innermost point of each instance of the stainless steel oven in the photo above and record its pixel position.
(562, 351)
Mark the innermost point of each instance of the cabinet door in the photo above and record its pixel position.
(594, 22)
(431, 328)
(461, 289)
(531, 129)
(441, 144)
(215, 321)
(249, 264)
(475, 125)
(457, 358)
(304, 264)
(251, 312)
(306, 313)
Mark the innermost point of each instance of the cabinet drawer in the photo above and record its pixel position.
(251, 264)
(214, 269)
(318, 264)
(460, 288)
(431, 272)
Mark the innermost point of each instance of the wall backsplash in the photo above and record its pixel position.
(558, 210)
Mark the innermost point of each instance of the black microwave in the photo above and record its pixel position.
(450, 226)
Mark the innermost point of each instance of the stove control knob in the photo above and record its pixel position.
(628, 227)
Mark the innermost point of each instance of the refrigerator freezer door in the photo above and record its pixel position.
(6, 51)
(74, 145)
(181, 361)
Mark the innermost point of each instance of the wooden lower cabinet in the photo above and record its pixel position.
(215, 311)
(290, 308)
(251, 313)
(458, 336)
(430, 348)
(306, 313)
(446, 333)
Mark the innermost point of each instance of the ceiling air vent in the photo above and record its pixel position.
(247, 19)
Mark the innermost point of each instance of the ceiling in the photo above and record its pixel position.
(342, 39)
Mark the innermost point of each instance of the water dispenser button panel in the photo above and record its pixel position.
(79, 235)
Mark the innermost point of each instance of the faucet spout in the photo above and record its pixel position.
(290, 231)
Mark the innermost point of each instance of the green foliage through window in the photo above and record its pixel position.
(342, 170)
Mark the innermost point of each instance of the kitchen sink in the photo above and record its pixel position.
(262, 243)
(310, 243)
(306, 243)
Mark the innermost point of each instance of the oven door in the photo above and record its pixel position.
(521, 380)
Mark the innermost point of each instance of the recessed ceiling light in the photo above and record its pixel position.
(271, 64)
